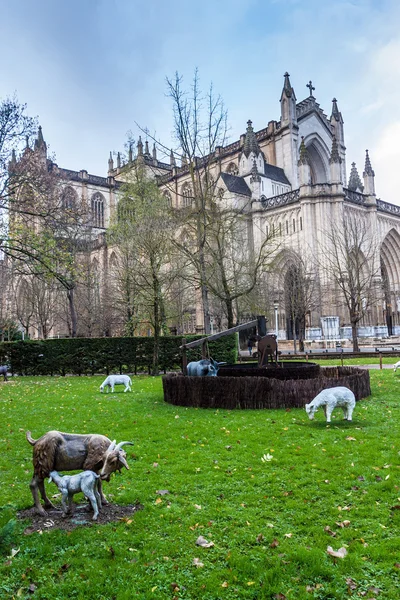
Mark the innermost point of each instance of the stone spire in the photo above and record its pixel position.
(355, 184)
(13, 162)
(287, 88)
(130, 153)
(184, 160)
(250, 141)
(154, 153)
(334, 157)
(140, 146)
(40, 144)
(110, 163)
(255, 177)
(304, 157)
(303, 164)
(368, 169)
(369, 176)
(336, 114)
(172, 161)
(146, 148)
(118, 160)
(335, 163)
(288, 103)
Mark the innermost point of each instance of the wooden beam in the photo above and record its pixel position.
(216, 336)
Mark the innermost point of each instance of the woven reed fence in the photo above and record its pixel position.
(260, 392)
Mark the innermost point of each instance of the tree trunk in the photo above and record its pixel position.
(72, 311)
(156, 308)
(356, 347)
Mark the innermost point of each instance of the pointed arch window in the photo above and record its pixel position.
(97, 207)
(187, 195)
(69, 198)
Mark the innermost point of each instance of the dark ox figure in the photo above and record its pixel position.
(203, 368)
(3, 371)
(57, 451)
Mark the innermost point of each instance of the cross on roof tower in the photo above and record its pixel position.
(310, 87)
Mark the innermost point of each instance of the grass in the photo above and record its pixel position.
(267, 519)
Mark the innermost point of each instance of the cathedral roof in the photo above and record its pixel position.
(235, 184)
(275, 173)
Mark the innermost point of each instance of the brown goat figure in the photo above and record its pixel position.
(58, 451)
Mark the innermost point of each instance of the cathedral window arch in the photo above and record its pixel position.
(167, 197)
(97, 207)
(69, 198)
(187, 195)
(294, 225)
(287, 227)
(301, 224)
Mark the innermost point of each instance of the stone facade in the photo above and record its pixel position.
(290, 178)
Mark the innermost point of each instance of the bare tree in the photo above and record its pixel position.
(200, 124)
(233, 266)
(142, 234)
(301, 295)
(351, 259)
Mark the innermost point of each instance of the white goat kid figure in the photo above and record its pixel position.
(86, 482)
(396, 366)
(113, 380)
(330, 399)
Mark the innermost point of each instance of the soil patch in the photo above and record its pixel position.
(82, 515)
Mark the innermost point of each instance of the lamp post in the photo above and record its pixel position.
(276, 318)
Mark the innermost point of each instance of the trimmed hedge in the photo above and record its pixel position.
(87, 356)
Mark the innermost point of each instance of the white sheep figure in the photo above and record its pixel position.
(396, 366)
(330, 399)
(113, 380)
(86, 482)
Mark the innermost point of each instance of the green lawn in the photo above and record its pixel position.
(267, 519)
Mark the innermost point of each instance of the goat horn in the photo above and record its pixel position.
(119, 446)
(123, 461)
(111, 446)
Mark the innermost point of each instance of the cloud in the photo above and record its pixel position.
(386, 163)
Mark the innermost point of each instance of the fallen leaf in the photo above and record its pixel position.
(201, 541)
(288, 535)
(155, 465)
(374, 590)
(341, 553)
(351, 439)
(280, 597)
(361, 478)
(267, 458)
(162, 492)
(32, 588)
(342, 523)
(329, 530)
(158, 501)
(250, 582)
(274, 543)
(225, 584)
(197, 563)
(198, 506)
(351, 583)
(260, 537)
(13, 552)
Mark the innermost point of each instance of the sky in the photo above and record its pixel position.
(91, 69)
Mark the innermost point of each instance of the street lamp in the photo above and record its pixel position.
(276, 318)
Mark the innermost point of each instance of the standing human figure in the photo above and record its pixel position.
(250, 346)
